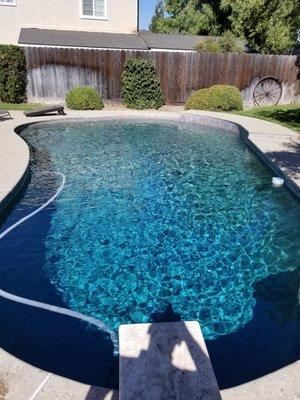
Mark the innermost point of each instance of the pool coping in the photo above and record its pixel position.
(14, 152)
(26, 382)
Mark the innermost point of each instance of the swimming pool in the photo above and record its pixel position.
(154, 216)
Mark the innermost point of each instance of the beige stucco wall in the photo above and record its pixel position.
(66, 15)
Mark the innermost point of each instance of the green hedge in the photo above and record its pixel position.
(216, 98)
(84, 98)
(140, 85)
(13, 74)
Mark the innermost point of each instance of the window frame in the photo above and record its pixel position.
(83, 16)
(9, 4)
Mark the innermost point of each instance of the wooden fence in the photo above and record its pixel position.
(53, 71)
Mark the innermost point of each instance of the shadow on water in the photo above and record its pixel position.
(270, 341)
(70, 348)
(59, 344)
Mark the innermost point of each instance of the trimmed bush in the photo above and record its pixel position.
(84, 98)
(13, 74)
(140, 85)
(216, 98)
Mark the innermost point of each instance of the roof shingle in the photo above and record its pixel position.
(62, 38)
(167, 41)
(143, 40)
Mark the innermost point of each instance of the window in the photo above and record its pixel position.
(8, 3)
(94, 9)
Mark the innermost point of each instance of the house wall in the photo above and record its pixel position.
(64, 15)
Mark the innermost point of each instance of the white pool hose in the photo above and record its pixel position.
(37, 304)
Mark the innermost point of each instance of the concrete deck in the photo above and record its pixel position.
(165, 361)
(14, 160)
(281, 385)
(22, 381)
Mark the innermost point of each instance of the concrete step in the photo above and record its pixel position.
(165, 361)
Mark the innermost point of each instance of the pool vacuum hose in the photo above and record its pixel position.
(37, 304)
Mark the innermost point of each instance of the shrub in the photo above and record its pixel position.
(209, 45)
(227, 43)
(140, 85)
(216, 98)
(84, 98)
(13, 74)
(230, 44)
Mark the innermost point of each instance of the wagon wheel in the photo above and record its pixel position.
(267, 92)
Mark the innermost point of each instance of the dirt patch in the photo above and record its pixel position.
(3, 389)
(120, 106)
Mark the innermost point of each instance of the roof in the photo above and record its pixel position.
(143, 40)
(62, 38)
(171, 42)
(176, 42)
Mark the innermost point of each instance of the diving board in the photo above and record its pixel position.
(165, 361)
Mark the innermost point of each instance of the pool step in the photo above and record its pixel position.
(165, 361)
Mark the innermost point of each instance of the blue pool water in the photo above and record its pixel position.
(153, 217)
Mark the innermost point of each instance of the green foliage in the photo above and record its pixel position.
(13, 74)
(269, 26)
(216, 98)
(22, 106)
(209, 45)
(227, 43)
(140, 85)
(158, 17)
(230, 44)
(84, 98)
(185, 16)
(279, 38)
(173, 7)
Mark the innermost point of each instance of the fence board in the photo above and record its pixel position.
(53, 71)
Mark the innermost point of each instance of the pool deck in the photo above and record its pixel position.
(277, 145)
(22, 381)
(25, 382)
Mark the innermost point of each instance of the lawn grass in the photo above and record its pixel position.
(21, 107)
(286, 115)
